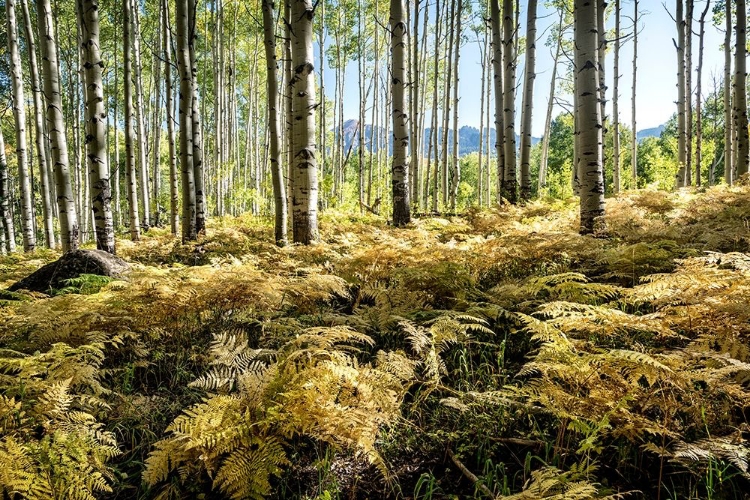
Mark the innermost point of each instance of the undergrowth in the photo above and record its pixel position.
(499, 354)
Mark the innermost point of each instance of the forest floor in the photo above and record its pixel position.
(496, 354)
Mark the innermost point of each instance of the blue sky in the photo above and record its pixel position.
(657, 67)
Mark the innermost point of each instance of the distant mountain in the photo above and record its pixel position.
(468, 138)
(651, 132)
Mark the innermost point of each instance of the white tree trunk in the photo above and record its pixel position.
(400, 166)
(528, 97)
(6, 220)
(305, 180)
(681, 111)
(633, 125)
(510, 182)
(740, 90)
(140, 112)
(184, 67)
(616, 183)
(174, 216)
(69, 231)
(589, 116)
(130, 165)
(497, 68)
(41, 147)
(728, 125)
(19, 114)
(96, 126)
(274, 154)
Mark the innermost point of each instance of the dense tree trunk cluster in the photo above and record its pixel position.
(204, 130)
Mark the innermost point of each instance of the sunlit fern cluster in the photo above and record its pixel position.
(51, 443)
(509, 318)
(259, 400)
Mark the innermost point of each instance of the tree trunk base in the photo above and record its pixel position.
(71, 265)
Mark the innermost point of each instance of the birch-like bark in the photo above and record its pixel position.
(681, 112)
(616, 183)
(130, 165)
(140, 110)
(455, 173)
(197, 129)
(528, 96)
(510, 181)
(497, 68)
(174, 216)
(740, 92)
(689, 93)
(274, 153)
(589, 113)
(96, 126)
(115, 172)
(482, 50)
(69, 231)
(699, 98)
(416, 137)
(434, 124)
(305, 181)
(184, 67)
(156, 122)
(400, 167)
(447, 106)
(601, 10)
(728, 104)
(41, 149)
(19, 115)
(633, 109)
(6, 219)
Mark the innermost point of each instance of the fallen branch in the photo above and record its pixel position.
(474, 479)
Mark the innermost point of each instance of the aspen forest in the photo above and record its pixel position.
(374, 249)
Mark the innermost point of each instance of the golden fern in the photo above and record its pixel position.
(314, 385)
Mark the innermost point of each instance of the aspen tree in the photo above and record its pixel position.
(589, 116)
(140, 111)
(444, 188)
(174, 216)
(19, 115)
(528, 96)
(197, 128)
(681, 111)
(497, 70)
(305, 180)
(156, 119)
(728, 104)
(400, 166)
(96, 126)
(616, 182)
(510, 183)
(455, 173)
(41, 147)
(130, 164)
(689, 93)
(633, 109)
(740, 91)
(601, 10)
(69, 231)
(416, 134)
(274, 154)
(6, 220)
(189, 231)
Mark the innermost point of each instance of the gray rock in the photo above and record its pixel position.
(72, 265)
